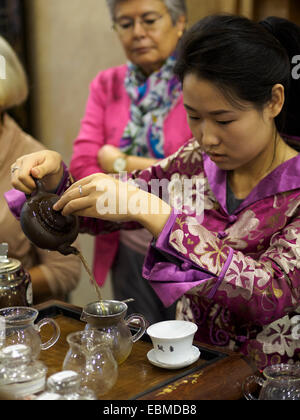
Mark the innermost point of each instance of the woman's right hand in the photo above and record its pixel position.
(46, 165)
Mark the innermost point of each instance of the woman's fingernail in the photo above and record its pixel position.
(35, 171)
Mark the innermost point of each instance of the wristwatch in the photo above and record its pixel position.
(120, 164)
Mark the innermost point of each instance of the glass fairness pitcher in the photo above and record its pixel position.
(19, 328)
(108, 317)
(282, 382)
(93, 360)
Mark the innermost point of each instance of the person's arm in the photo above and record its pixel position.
(108, 155)
(91, 136)
(139, 163)
(257, 290)
(122, 204)
(105, 118)
(40, 286)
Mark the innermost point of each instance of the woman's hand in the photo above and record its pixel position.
(46, 165)
(104, 197)
(100, 196)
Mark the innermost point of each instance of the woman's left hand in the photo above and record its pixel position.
(104, 197)
(99, 196)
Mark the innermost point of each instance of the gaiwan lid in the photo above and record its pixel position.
(8, 265)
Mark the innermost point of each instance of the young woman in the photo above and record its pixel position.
(235, 265)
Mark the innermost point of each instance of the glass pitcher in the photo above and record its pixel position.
(93, 360)
(18, 328)
(108, 317)
(282, 382)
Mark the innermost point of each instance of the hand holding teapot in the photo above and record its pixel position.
(46, 165)
(43, 226)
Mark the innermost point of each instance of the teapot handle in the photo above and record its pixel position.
(142, 324)
(247, 386)
(39, 187)
(55, 334)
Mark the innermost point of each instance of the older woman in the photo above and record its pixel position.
(134, 117)
(53, 275)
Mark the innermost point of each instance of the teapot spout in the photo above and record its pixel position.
(67, 250)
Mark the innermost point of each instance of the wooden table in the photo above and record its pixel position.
(217, 375)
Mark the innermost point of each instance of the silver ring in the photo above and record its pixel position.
(80, 190)
(14, 169)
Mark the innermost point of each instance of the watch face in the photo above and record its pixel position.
(119, 164)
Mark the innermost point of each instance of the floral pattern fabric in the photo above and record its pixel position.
(249, 308)
(237, 275)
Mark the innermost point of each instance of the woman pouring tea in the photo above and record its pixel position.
(230, 257)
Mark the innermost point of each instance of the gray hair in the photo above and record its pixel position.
(176, 8)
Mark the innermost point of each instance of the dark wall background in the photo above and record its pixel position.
(13, 29)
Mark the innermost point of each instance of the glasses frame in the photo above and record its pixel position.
(127, 31)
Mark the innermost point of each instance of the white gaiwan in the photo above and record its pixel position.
(172, 341)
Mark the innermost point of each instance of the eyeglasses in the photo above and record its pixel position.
(125, 26)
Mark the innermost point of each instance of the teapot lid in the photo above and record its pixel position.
(7, 265)
(63, 380)
(16, 352)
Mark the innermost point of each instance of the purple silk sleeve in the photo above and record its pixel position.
(170, 281)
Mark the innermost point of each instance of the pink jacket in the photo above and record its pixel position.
(106, 116)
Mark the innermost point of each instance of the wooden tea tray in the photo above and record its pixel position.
(216, 375)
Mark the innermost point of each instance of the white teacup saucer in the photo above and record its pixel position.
(194, 357)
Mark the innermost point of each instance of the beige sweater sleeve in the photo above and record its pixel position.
(62, 272)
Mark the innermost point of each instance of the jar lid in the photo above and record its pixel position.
(7, 265)
(16, 352)
(63, 380)
(49, 396)
(19, 376)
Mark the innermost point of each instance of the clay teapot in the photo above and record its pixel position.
(45, 227)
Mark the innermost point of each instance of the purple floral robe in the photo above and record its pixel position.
(237, 276)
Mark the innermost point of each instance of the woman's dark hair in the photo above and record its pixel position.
(245, 60)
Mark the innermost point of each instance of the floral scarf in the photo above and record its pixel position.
(151, 100)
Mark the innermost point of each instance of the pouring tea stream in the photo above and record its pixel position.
(49, 229)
